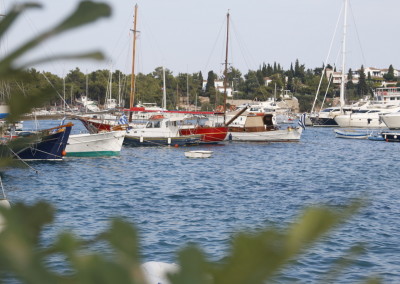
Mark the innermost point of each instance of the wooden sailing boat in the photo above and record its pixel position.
(159, 130)
(251, 127)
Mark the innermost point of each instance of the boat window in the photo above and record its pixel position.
(327, 110)
(372, 111)
(149, 124)
(157, 124)
(361, 111)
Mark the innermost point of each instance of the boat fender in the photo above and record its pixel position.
(289, 128)
(64, 153)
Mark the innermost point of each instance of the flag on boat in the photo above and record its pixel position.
(123, 119)
(302, 121)
(63, 121)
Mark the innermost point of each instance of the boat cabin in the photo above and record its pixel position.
(252, 122)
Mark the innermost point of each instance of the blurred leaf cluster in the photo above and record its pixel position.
(12, 69)
(254, 258)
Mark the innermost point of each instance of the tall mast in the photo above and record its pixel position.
(164, 91)
(342, 84)
(226, 62)
(187, 91)
(132, 95)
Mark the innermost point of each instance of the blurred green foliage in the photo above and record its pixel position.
(255, 257)
(11, 68)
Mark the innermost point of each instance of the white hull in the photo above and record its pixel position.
(103, 143)
(198, 154)
(391, 120)
(285, 135)
(351, 134)
(362, 120)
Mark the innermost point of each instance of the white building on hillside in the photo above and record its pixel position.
(219, 86)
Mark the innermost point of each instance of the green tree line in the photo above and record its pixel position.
(302, 82)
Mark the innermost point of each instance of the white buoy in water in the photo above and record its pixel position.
(5, 204)
(156, 272)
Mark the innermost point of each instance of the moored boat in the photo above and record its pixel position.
(351, 133)
(159, 131)
(96, 144)
(391, 136)
(260, 128)
(48, 144)
(198, 154)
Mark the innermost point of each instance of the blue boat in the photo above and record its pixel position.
(46, 144)
(352, 133)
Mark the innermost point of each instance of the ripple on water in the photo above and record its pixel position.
(174, 201)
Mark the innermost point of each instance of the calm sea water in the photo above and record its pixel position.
(174, 200)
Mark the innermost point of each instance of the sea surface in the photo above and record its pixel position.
(175, 201)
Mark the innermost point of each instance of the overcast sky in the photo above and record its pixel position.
(189, 35)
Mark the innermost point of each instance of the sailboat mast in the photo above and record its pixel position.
(132, 95)
(226, 62)
(164, 91)
(187, 92)
(342, 84)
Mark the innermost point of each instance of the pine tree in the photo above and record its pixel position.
(210, 86)
(389, 76)
(362, 87)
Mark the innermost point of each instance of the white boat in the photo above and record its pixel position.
(352, 133)
(96, 144)
(88, 104)
(160, 131)
(261, 128)
(365, 118)
(391, 120)
(198, 154)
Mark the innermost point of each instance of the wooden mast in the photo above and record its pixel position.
(132, 94)
(226, 62)
(342, 83)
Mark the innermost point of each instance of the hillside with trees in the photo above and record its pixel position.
(260, 84)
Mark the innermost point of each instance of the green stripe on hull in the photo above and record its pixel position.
(93, 154)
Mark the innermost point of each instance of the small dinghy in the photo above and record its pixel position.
(352, 134)
(198, 154)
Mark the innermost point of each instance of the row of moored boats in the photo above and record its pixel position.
(108, 132)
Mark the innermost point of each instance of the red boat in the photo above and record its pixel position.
(209, 134)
